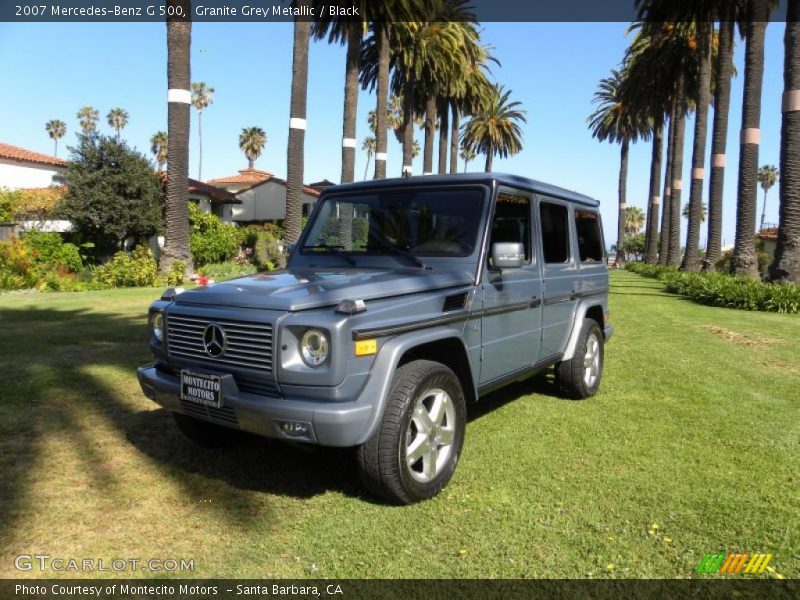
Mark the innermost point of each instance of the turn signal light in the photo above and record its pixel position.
(366, 347)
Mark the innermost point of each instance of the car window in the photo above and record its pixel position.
(512, 222)
(424, 222)
(555, 232)
(590, 239)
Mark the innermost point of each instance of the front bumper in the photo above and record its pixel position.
(329, 423)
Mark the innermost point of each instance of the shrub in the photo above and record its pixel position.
(268, 254)
(49, 250)
(226, 270)
(723, 265)
(211, 239)
(648, 270)
(129, 270)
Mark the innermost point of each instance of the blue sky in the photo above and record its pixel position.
(51, 70)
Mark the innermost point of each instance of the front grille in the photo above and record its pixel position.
(248, 344)
(224, 415)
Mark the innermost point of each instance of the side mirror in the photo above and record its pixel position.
(288, 249)
(508, 255)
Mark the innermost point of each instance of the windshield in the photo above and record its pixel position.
(420, 222)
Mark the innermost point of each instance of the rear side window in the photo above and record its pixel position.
(590, 240)
(555, 232)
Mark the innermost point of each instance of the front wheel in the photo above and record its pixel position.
(579, 377)
(415, 450)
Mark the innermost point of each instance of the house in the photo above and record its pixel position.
(213, 199)
(21, 168)
(262, 196)
(769, 235)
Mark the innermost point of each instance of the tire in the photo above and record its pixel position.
(575, 379)
(205, 434)
(421, 391)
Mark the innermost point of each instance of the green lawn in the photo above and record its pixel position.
(692, 445)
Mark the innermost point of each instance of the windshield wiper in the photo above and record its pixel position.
(333, 249)
(396, 250)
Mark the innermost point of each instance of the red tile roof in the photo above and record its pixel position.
(245, 177)
(9, 152)
(249, 178)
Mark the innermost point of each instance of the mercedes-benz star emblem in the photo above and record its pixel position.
(214, 340)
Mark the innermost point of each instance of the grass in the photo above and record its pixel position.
(692, 445)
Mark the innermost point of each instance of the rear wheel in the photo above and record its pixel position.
(415, 450)
(205, 434)
(579, 377)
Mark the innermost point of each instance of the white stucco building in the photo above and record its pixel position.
(262, 196)
(21, 168)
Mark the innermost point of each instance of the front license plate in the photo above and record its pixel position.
(201, 389)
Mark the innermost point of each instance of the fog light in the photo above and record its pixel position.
(294, 429)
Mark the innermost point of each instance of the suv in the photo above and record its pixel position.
(403, 300)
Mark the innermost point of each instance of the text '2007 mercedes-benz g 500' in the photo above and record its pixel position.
(403, 300)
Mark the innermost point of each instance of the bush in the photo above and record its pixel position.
(49, 250)
(719, 289)
(648, 270)
(137, 269)
(268, 253)
(226, 270)
(212, 240)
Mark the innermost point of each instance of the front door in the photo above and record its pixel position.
(512, 318)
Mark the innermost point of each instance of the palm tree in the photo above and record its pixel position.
(744, 261)
(159, 142)
(415, 149)
(617, 122)
(56, 129)
(369, 147)
(767, 177)
(687, 211)
(496, 129)
(88, 118)
(634, 220)
(719, 134)
(202, 97)
(117, 119)
(467, 154)
(786, 266)
(179, 40)
(295, 160)
(252, 141)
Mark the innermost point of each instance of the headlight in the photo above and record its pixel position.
(314, 347)
(157, 325)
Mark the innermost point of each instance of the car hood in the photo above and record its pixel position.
(300, 289)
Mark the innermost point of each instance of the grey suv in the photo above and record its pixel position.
(403, 300)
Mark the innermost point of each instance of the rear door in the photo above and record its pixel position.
(561, 287)
(512, 318)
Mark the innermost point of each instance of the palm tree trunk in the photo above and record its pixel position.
(444, 130)
(352, 66)
(489, 156)
(651, 236)
(691, 257)
(408, 125)
(382, 101)
(744, 261)
(719, 136)
(623, 181)
(430, 132)
(200, 138)
(366, 169)
(763, 211)
(297, 127)
(674, 248)
(454, 141)
(56, 148)
(666, 200)
(786, 266)
(179, 40)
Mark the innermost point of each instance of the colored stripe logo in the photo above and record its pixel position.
(734, 563)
